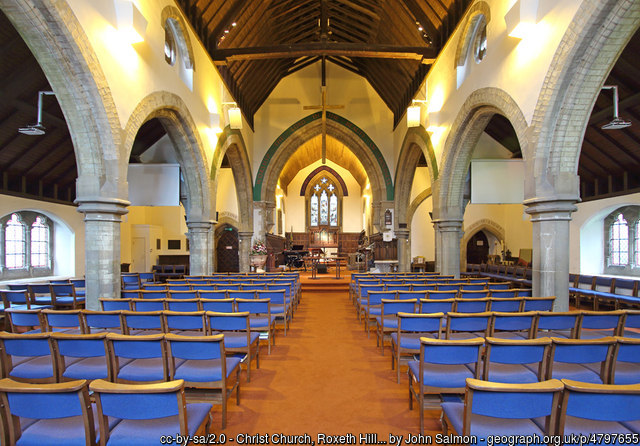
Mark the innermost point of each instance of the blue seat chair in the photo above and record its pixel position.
(183, 305)
(504, 304)
(631, 327)
(516, 360)
(442, 368)
(472, 305)
(598, 324)
(149, 293)
(372, 308)
(142, 322)
(201, 361)
(513, 325)
(81, 356)
(586, 360)
(442, 294)
(557, 324)
(494, 409)
(183, 294)
(40, 294)
(538, 303)
(405, 341)
(102, 321)
(188, 323)
(147, 411)
(68, 321)
(19, 299)
(279, 305)
(625, 366)
(27, 357)
(115, 304)
(599, 409)
(63, 295)
(22, 320)
(239, 339)
(473, 294)
(136, 359)
(212, 294)
(467, 325)
(436, 305)
(130, 281)
(222, 305)
(39, 414)
(260, 318)
(362, 296)
(387, 321)
(141, 305)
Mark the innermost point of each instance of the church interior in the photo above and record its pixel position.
(329, 139)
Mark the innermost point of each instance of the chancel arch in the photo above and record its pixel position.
(342, 130)
(197, 200)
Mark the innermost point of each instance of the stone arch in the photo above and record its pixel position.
(174, 116)
(413, 207)
(590, 47)
(416, 142)
(471, 121)
(336, 175)
(231, 143)
(341, 129)
(464, 42)
(63, 51)
(171, 16)
(486, 225)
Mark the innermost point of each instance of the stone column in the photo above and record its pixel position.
(244, 239)
(437, 247)
(102, 217)
(199, 247)
(550, 264)
(404, 250)
(448, 235)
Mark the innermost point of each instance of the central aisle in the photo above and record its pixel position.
(325, 376)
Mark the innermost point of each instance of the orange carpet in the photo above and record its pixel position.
(325, 376)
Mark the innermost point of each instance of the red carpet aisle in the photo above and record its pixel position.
(324, 377)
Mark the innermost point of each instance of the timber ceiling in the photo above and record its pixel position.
(391, 43)
(44, 167)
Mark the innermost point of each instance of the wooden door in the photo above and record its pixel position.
(227, 245)
(478, 248)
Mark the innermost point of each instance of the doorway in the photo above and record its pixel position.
(227, 245)
(478, 248)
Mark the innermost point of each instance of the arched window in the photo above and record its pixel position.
(14, 243)
(619, 242)
(324, 204)
(39, 243)
(27, 247)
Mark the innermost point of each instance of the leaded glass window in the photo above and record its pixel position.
(324, 208)
(14, 243)
(333, 210)
(39, 243)
(314, 210)
(619, 242)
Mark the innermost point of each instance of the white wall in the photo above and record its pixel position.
(511, 217)
(226, 195)
(351, 204)
(422, 232)
(586, 254)
(69, 232)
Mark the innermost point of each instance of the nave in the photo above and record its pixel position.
(326, 376)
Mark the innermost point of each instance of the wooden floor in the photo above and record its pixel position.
(325, 377)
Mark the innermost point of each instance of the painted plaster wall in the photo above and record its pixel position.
(362, 106)
(351, 204)
(226, 195)
(511, 217)
(587, 238)
(69, 232)
(422, 232)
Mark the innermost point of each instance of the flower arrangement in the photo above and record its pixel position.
(259, 248)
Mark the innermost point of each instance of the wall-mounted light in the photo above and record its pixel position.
(129, 21)
(414, 112)
(234, 114)
(523, 16)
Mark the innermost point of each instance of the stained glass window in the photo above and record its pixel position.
(333, 210)
(39, 243)
(14, 243)
(324, 208)
(619, 242)
(314, 210)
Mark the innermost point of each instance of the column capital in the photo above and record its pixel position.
(448, 224)
(102, 208)
(551, 209)
(245, 234)
(203, 226)
(402, 233)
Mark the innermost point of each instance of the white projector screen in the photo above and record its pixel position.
(154, 184)
(497, 181)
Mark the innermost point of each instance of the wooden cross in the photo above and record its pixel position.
(324, 107)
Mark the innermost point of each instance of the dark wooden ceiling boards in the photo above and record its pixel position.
(257, 43)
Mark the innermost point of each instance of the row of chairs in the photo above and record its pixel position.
(206, 291)
(377, 306)
(64, 413)
(443, 366)
(243, 328)
(57, 295)
(205, 363)
(411, 327)
(566, 410)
